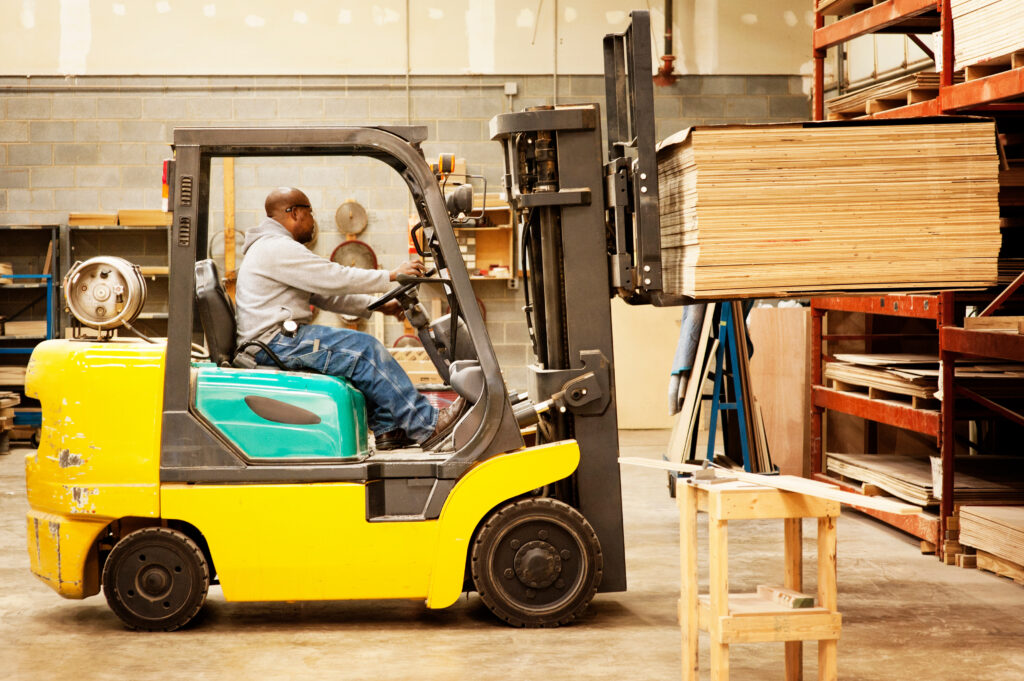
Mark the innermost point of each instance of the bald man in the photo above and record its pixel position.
(278, 280)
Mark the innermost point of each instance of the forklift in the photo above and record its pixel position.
(165, 467)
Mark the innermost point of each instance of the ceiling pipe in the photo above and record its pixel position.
(666, 74)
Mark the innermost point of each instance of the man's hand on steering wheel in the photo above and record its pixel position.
(394, 309)
(413, 268)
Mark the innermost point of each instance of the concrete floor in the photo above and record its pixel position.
(905, 616)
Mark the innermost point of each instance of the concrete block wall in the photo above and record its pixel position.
(92, 144)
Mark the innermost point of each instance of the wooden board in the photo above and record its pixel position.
(772, 210)
(12, 375)
(680, 447)
(1001, 323)
(91, 219)
(144, 218)
(32, 329)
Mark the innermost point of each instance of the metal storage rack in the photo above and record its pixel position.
(27, 247)
(28, 301)
(998, 94)
(143, 245)
(986, 94)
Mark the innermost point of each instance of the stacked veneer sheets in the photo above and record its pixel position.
(987, 31)
(998, 530)
(906, 477)
(917, 376)
(918, 479)
(889, 94)
(775, 210)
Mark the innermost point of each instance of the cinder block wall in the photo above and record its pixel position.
(96, 144)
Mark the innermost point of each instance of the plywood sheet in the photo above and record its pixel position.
(779, 372)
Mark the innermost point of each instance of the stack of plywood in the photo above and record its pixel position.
(918, 479)
(987, 31)
(8, 400)
(774, 210)
(996, 530)
(917, 87)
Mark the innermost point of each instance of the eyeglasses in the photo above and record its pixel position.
(291, 209)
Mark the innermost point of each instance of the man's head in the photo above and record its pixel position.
(291, 208)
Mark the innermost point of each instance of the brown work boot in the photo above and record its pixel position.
(393, 439)
(446, 420)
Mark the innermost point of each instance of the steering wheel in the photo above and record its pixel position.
(407, 282)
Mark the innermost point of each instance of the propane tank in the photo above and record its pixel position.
(105, 292)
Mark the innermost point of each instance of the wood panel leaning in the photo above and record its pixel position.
(772, 613)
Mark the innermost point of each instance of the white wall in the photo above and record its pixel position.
(231, 37)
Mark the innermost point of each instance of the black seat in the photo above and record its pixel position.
(217, 315)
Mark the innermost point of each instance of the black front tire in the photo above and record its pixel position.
(536, 563)
(156, 579)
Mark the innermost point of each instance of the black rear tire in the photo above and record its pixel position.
(156, 579)
(536, 563)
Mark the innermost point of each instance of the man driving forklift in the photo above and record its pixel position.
(278, 280)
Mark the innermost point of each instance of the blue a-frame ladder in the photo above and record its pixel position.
(727, 340)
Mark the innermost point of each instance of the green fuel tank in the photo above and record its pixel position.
(278, 415)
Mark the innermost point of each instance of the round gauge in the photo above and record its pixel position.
(355, 253)
(351, 217)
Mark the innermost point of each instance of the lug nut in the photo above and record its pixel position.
(531, 594)
(509, 574)
(565, 554)
(514, 543)
(560, 584)
(543, 534)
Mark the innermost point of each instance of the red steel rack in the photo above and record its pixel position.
(987, 90)
(991, 92)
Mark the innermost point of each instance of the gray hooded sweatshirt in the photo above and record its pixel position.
(279, 278)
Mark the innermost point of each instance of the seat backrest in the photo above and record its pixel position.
(216, 313)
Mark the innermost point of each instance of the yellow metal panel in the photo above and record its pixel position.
(304, 542)
(313, 542)
(99, 450)
(480, 490)
(59, 549)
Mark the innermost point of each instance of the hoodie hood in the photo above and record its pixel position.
(269, 227)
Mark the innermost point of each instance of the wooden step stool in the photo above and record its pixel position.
(767, 615)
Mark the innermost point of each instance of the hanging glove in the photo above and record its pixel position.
(677, 391)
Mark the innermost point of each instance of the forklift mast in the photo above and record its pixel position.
(589, 230)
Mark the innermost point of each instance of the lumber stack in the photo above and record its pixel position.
(776, 210)
(997, 530)
(889, 376)
(987, 31)
(8, 400)
(917, 87)
(918, 479)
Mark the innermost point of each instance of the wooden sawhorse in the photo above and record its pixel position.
(763, 616)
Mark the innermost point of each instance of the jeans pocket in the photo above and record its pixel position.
(317, 361)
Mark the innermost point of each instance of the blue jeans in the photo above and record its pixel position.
(391, 400)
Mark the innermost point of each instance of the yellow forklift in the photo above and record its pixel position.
(167, 466)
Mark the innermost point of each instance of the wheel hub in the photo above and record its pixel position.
(153, 582)
(537, 564)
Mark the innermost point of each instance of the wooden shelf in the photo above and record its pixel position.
(753, 619)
